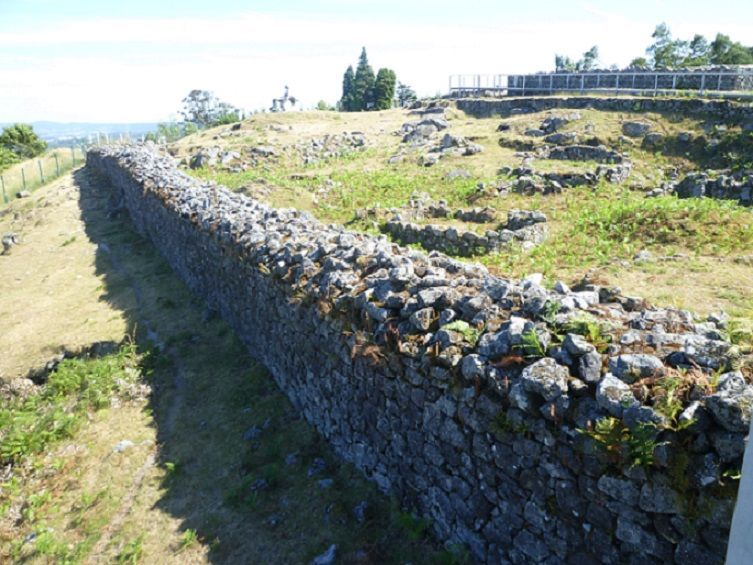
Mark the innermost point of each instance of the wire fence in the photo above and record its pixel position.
(703, 83)
(21, 179)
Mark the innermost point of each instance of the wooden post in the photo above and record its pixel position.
(703, 82)
(617, 84)
(551, 84)
(41, 173)
(656, 83)
(23, 178)
(524, 85)
(2, 184)
(57, 165)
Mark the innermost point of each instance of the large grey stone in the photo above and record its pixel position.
(632, 366)
(613, 395)
(545, 378)
(732, 408)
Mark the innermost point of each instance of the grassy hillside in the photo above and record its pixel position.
(699, 248)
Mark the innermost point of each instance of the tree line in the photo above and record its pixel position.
(19, 142)
(667, 52)
(362, 90)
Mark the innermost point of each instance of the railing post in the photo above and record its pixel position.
(41, 173)
(617, 84)
(656, 83)
(674, 81)
(2, 184)
(551, 84)
(703, 82)
(23, 178)
(567, 82)
(524, 85)
(632, 87)
(582, 83)
(719, 82)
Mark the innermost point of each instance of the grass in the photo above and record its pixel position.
(26, 175)
(72, 392)
(195, 504)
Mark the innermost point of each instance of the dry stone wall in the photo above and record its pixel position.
(466, 395)
(724, 110)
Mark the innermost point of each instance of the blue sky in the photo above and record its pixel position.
(84, 60)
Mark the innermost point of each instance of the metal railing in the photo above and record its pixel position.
(643, 82)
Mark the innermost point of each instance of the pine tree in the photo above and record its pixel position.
(363, 85)
(346, 102)
(384, 89)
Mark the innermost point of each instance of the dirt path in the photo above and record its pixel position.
(189, 486)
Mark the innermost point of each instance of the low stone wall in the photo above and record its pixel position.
(730, 186)
(724, 110)
(527, 229)
(474, 399)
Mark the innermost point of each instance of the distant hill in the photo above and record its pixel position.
(59, 132)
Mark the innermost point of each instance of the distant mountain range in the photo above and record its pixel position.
(59, 132)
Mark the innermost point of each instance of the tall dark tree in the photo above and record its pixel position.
(346, 102)
(384, 89)
(22, 141)
(363, 84)
(724, 51)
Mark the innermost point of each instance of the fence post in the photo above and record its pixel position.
(551, 84)
(617, 84)
(41, 173)
(703, 82)
(23, 178)
(57, 165)
(2, 184)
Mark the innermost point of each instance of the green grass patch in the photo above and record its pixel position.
(57, 410)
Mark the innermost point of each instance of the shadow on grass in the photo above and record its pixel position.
(246, 476)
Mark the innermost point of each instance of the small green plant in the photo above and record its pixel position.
(550, 311)
(415, 527)
(621, 445)
(470, 334)
(132, 552)
(189, 538)
(69, 241)
(590, 329)
(531, 346)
